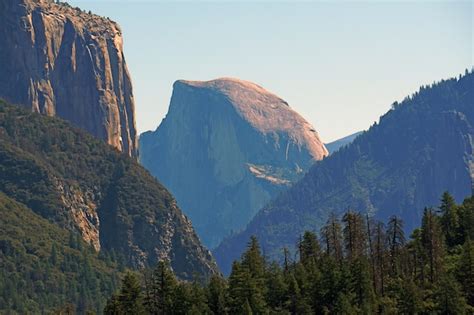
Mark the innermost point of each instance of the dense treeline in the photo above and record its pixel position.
(45, 269)
(356, 266)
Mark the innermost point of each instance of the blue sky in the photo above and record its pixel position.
(340, 64)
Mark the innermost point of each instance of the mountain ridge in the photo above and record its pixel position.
(81, 184)
(419, 149)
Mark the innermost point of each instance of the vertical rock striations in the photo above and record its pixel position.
(61, 61)
(225, 148)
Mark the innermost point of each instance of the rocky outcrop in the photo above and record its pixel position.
(419, 149)
(61, 61)
(81, 208)
(225, 148)
(81, 184)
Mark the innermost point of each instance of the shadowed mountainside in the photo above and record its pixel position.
(418, 150)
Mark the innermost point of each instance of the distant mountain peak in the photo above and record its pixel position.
(225, 148)
(264, 110)
(229, 86)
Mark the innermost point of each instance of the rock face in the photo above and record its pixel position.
(81, 184)
(61, 61)
(225, 148)
(337, 144)
(419, 149)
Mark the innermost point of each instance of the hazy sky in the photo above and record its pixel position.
(339, 64)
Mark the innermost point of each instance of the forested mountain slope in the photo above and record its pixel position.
(46, 268)
(420, 148)
(82, 184)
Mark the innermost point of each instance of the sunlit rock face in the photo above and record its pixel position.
(225, 148)
(61, 61)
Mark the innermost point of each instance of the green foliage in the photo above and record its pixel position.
(310, 250)
(44, 161)
(465, 270)
(217, 295)
(130, 298)
(450, 222)
(379, 272)
(160, 288)
(41, 272)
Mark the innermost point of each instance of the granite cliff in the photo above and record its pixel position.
(58, 60)
(339, 143)
(421, 148)
(225, 148)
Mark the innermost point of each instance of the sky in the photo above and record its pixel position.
(340, 64)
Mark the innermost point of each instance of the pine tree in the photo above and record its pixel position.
(361, 285)
(253, 263)
(334, 281)
(379, 257)
(53, 257)
(466, 214)
(409, 301)
(198, 299)
(432, 240)
(354, 235)
(418, 256)
(216, 295)
(466, 271)
(371, 249)
(276, 293)
(309, 248)
(332, 235)
(182, 299)
(448, 297)
(113, 306)
(239, 286)
(297, 304)
(160, 290)
(72, 240)
(130, 299)
(396, 240)
(247, 309)
(450, 220)
(286, 259)
(344, 304)
(253, 260)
